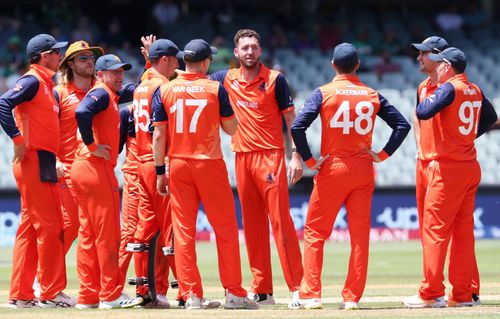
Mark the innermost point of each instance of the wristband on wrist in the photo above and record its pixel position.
(160, 169)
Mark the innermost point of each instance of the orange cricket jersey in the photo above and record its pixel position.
(192, 105)
(38, 119)
(425, 143)
(142, 113)
(454, 128)
(69, 98)
(106, 128)
(256, 108)
(348, 115)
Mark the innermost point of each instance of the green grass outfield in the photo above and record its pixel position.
(394, 272)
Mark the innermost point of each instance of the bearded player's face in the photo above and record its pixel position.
(248, 52)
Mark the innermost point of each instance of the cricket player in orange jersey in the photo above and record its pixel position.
(261, 99)
(77, 78)
(458, 113)
(95, 184)
(348, 109)
(39, 245)
(154, 214)
(195, 109)
(433, 44)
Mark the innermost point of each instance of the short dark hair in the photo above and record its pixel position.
(246, 33)
(346, 70)
(35, 59)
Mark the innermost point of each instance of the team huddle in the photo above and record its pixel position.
(67, 139)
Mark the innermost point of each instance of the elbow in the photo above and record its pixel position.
(231, 130)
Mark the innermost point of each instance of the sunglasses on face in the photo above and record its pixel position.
(57, 51)
(85, 58)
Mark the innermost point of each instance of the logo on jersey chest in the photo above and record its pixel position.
(263, 87)
(423, 94)
(247, 104)
(235, 85)
(72, 99)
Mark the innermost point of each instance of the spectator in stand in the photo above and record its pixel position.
(328, 35)
(165, 12)
(13, 57)
(303, 41)
(450, 20)
(476, 17)
(277, 38)
(386, 66)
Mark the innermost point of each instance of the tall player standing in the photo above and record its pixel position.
(77, 78)
(261, 99)
(153, 212)
(425, 147)
(348, 109)
(457, 113)
(195, 109)
(39, 245)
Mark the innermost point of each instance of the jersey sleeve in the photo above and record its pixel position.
(487, 117)
(24, 91)
(396, 121)
(92, 104)
(434, 103)
(218, 76)
(226, 111)
(307, 114)
(127, 128)
(159, 114)
(126, 94)
(283, 95)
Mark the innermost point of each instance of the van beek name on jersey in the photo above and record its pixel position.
(351, 92)
(189, 88)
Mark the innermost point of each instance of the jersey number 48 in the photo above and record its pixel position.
(363, 122)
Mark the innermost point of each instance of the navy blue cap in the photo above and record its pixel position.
(164, 47)
(42, 43)
(345, 55)
(453, 56)
(111, 62)
(198, 50)
(433, 43)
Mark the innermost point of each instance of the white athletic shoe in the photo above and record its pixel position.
(308, 303)
(36, 288)
(61, 300)
(133, 302)
(350, 305)
(33, 303)
(416, 302)
(162, 302)
(83, 306)
(194, 302)
(261, 299)
(235, 302)
(113, 304)
(475, 300)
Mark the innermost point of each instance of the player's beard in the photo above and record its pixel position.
(250, 64)
(84, 72)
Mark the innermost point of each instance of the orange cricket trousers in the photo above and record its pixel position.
(422, 182)
(39, 246)
(129, 219)
(69, 208)
(99, 236)
(192, 181)
(348, 181)
(449, 214)
(154, 216)
(263, 191)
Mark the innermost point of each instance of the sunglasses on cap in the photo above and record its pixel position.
(85, 58)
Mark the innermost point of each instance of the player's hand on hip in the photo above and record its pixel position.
(102, 150)
(161, 185)
(19, 152)
(295, 169)
(374, 155)
(320, 162)
(59, 169)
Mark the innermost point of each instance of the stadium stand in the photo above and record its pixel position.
(303, 63)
